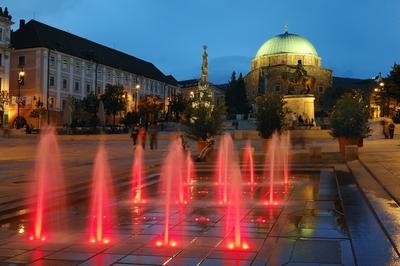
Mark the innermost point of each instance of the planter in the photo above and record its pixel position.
(344, 141)
(201, 144)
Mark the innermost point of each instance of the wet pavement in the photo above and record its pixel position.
(321, 220)
(303, 229)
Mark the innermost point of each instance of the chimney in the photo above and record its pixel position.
(21, 23)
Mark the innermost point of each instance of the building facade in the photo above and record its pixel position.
(5, 53)
(288, 64)
(59, 65)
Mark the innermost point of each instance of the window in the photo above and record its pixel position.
(88, 68)
(52, 102)
(63, 104)
(277, 87)
(65, 64)
(98, 72)
(1, 34)
(109, 77)
(77, 67)
(64, 84)
(1, 59)
(88, 88)
(320, 89)
(51, 81)
(21, 60)
(1, 83)
(52, 61)
(76, 85)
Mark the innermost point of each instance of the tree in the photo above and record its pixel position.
(236, 96)
(150, 108)
(270, 114)
(90, 105)
(349, 117)
(177, 105)
(203, 117)
(392, 82)
(114, 100)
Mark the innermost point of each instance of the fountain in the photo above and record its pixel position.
(100, 221)
(248, 164)
(138, 175)
(48, 191)
(172, 180)
(271, 164)
(233, 187)
(225, 153)
(285, 149)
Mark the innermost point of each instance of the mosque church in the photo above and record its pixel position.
(289, 64)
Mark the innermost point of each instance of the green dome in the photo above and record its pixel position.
(287, 43)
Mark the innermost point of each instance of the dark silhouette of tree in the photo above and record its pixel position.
(236, 96)
(114, 100)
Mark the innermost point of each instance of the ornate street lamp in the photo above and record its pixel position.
(20, 101)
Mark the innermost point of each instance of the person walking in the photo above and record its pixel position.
(142, 136)
(134, 133)
(153, 136)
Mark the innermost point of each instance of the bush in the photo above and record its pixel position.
(270, 114)
(349, 117)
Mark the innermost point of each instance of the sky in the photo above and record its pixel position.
(354, 38)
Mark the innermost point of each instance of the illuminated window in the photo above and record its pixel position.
(65, 64)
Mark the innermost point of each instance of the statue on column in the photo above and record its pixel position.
(204, 67)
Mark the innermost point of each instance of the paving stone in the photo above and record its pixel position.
(316, 251)
(102, 260)
(45, 262)
(65, 255)
(144, 260)
(213, 262)
(28, 257)
(184, 261)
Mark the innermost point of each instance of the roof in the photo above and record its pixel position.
(287, 43)
(188, 82)
(171, 80)
(36, 34)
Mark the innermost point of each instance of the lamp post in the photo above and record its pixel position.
(21, 82)
(137, 87)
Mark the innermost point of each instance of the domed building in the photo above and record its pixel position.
(288, 64)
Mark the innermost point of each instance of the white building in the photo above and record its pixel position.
(76, 67)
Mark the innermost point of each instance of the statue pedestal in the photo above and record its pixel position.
(300, 105)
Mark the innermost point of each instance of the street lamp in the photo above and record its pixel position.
(21, 82)
(137, 87)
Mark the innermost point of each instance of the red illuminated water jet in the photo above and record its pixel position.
(248, 164)
(172, 180)
(138, 175)
(234, 208)
(100, 220)
(285, 149)
(225, 153)
(270, 163)
(48, 190)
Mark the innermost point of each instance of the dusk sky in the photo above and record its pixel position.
(356, 38)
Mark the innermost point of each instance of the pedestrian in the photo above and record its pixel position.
(134, 133)
(391, 130)
(142, 136)
(153, 136)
